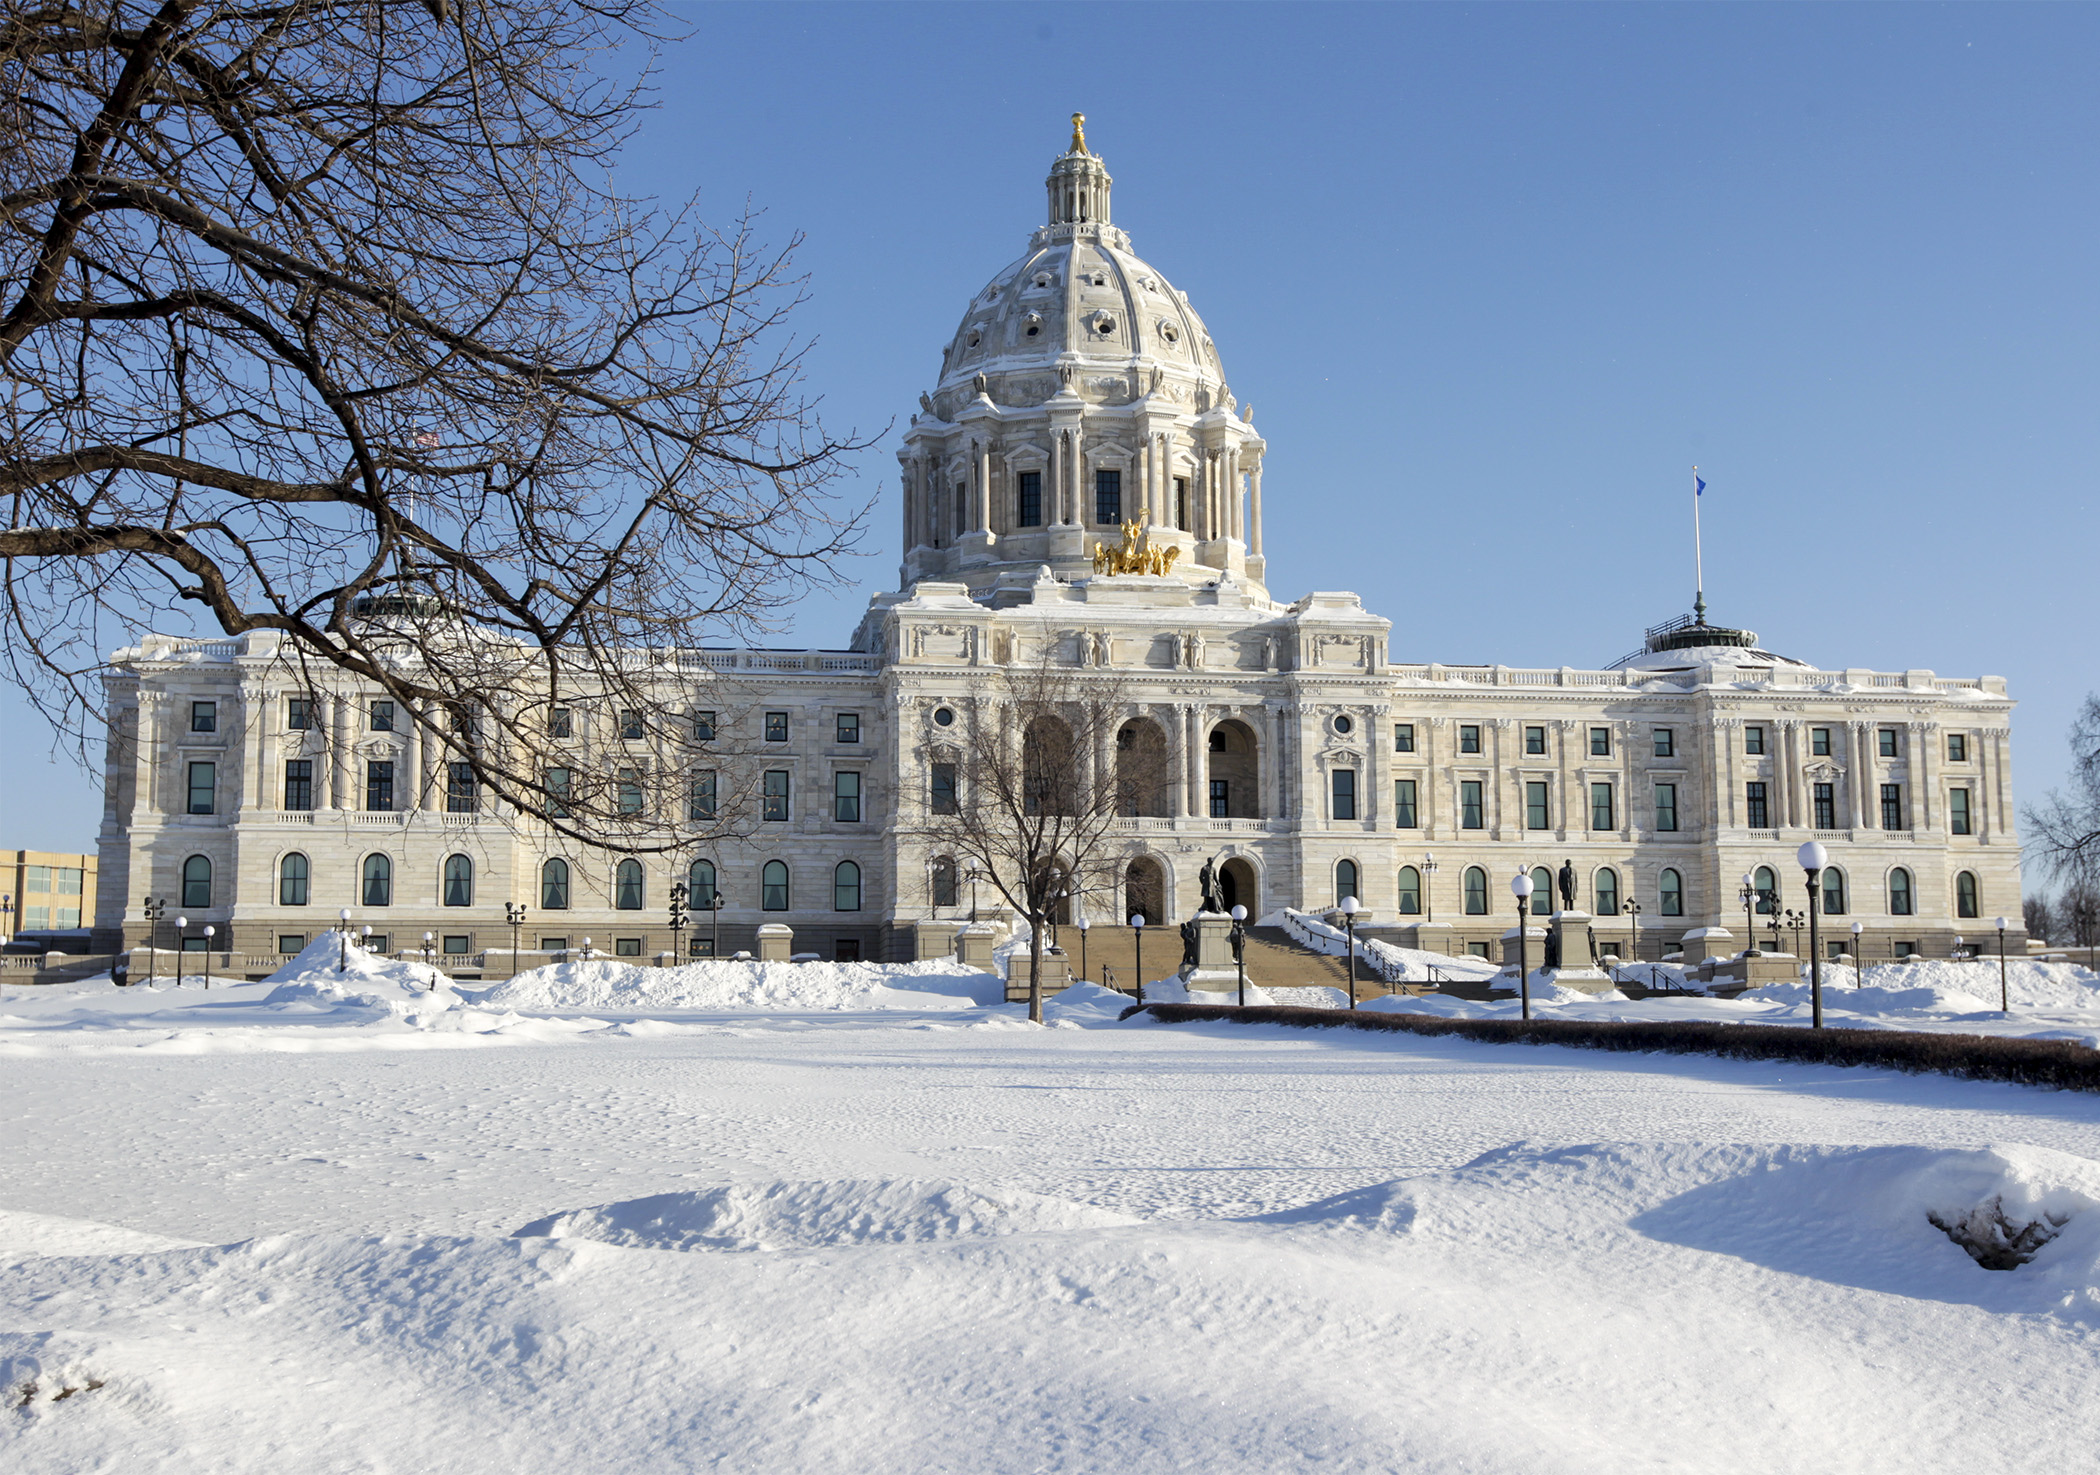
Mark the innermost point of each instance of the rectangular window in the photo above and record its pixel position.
(554, 944)
(458, 944)
(1757, 813)
(462, 790)
(204, 786)
(962, 508)
(700, 796)
(1181, 503)
(1826, 806)
(1957, 747)
(630, 781)
(1958, 811)
(1600, 742)
(1892, 806)
(1665, 742)
(299, 783)
(291, 944)
(1534, 739)
(204, 716)
(1028, 499)
(627, 947)
(703, 727)
(382, 716)
(560, 785)
(1472, 815)
(630, 727)
(1819, 741)
(1220, 798)
(462, 722)
(1753, 740)
(845, 798)
(776, 727)
(1404, 737)
(942, 793)
(1666, 806)
(1108, 496)
(701, 947)
(1345, 793)
(849, 727)
(561, 722)
(298, 714)
(1404, 804)
(66, 880)
(1469, 739)
(379, 785)
(1600, 807)
(1535, 815)
(776, 795)
(1888, 742)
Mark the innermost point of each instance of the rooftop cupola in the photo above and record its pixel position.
(1078, 183)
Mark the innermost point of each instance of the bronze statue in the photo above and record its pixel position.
(1213, 894)
(1567, 885)
(1079, 133)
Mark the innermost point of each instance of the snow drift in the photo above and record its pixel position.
(940, 983)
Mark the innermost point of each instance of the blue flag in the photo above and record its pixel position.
(1698, 486)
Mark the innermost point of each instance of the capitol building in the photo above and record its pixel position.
(1081, 483)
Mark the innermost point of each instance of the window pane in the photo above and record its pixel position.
(1601, 807)
(1666, 806)
(1220, 798)
(1819, 741)
(1753, 740)
(298, 714)
(773, 887)
(845, 887)
(1028, 499)
(1600, 742)
(1471, 814)
(560, 786)
(204, 786)
(291, 883)
(382, 716)
(630, 791)
(944, 883)
(1965, 897)
(554, 885)
(1957, 747)
(700, 886)
(1826, 806)
(1899, 893)
(1888, 742)
(204, 716)
(1404, 738)
(1665, 743)
(703, 727)
(700, 801)
(1892, 806)
(943, 795)
(1476, 892)
(1535, 815)
(1404, 804)
(776, 727)
(298, 783)
(1108, 496)
(1344, 794)
(849, 727)
(379, 786)
(1534, 739)
(1754, 801)
(776, 795)
(1958, 811)
(462, 790)
(459, 881)
(1606, 900)
(630, 726)
(1344, 881)
(1833, 892)
(627, 886)
(845, 796)
(1468, 739)
(1672, 894)
(1410, 892)
(379, 881)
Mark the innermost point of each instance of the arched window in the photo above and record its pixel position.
(291, 880)
(1833, 892)
(943, 882)
(1476, 892)
(1766, 885)
(700, 886)
(1965, 897)
(459, 881)
(1541, 892)
(1605, 892)
(627, 886)
(379, 881)
(554, 886)
(845, 887)
(1671, 894)
(1900, 904)
(196, 882)
(1344, 880)
(1410, 892)
(773, 886)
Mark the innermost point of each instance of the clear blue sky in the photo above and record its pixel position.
(1494, 278)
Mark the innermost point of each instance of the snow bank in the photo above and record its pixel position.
(1303, 996)
(940, 983)
(366, 980)
(812, 1215)
(1085, 1005)
(23, 1234)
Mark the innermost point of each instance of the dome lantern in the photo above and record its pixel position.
(1078, 183)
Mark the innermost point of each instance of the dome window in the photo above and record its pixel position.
(1099, 279)
(1104, 323)
(976, 337)
(1034, 323)
(1169, 332)
(1042, 279)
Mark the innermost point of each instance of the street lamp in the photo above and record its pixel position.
(7, 912)
(342, 940)
(1239, 949)
(1749, 895)
(1137, 941)
(514, 913)
(1083, 925)
(208, 934)
(1958, 946)
(1813, 858)
(679, 894)
(2004, 987)
(153, 910)
(974, 874)
(714, 921)
(1859, 956)
(586, 950)
(428, 939)
(1520, 888)
(1429, 884)
(1349, 924)
(1633, 932)
(182, 925)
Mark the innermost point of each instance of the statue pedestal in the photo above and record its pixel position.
(974, 944)
(1213, 971)
(1578, 967)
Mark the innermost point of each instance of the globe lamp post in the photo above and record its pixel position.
(1083, 925)
(209, 933)
(1239, 948)
(342, 940)
(1520, 888)
(1137, 941)
(1349, 925)
(1859, 955)
(182, 927)
(1814, 858)
(2004, 985)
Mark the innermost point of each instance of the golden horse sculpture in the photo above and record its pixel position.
(1136, 556)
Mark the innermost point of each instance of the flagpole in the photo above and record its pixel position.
(1698, 554)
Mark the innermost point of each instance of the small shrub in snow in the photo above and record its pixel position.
(1995, 1241)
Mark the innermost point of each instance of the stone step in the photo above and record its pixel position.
(1273, 959)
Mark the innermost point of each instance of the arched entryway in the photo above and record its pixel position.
(1145, 891)
(1144, 778)
(1233, 786)
(1241, 887)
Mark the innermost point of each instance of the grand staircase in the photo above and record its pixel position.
(1274, 960)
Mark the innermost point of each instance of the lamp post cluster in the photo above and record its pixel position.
(514, 913)
(680, 894)
(154, 910)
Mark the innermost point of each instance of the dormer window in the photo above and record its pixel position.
(1042, 279)
(1104, 323)
(1034, 323)
(1099, 279)
(1169, 332)
(976, 337)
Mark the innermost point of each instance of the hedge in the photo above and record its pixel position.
(2062, 1064)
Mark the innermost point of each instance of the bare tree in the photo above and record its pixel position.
(321, 322)
(2038, 917)
(2063, 831)
(1036, 788)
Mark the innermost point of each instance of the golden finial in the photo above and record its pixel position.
(1079, 133)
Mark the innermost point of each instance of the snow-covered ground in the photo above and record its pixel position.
(852, 1218)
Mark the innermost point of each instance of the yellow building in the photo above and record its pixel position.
(46, 891)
